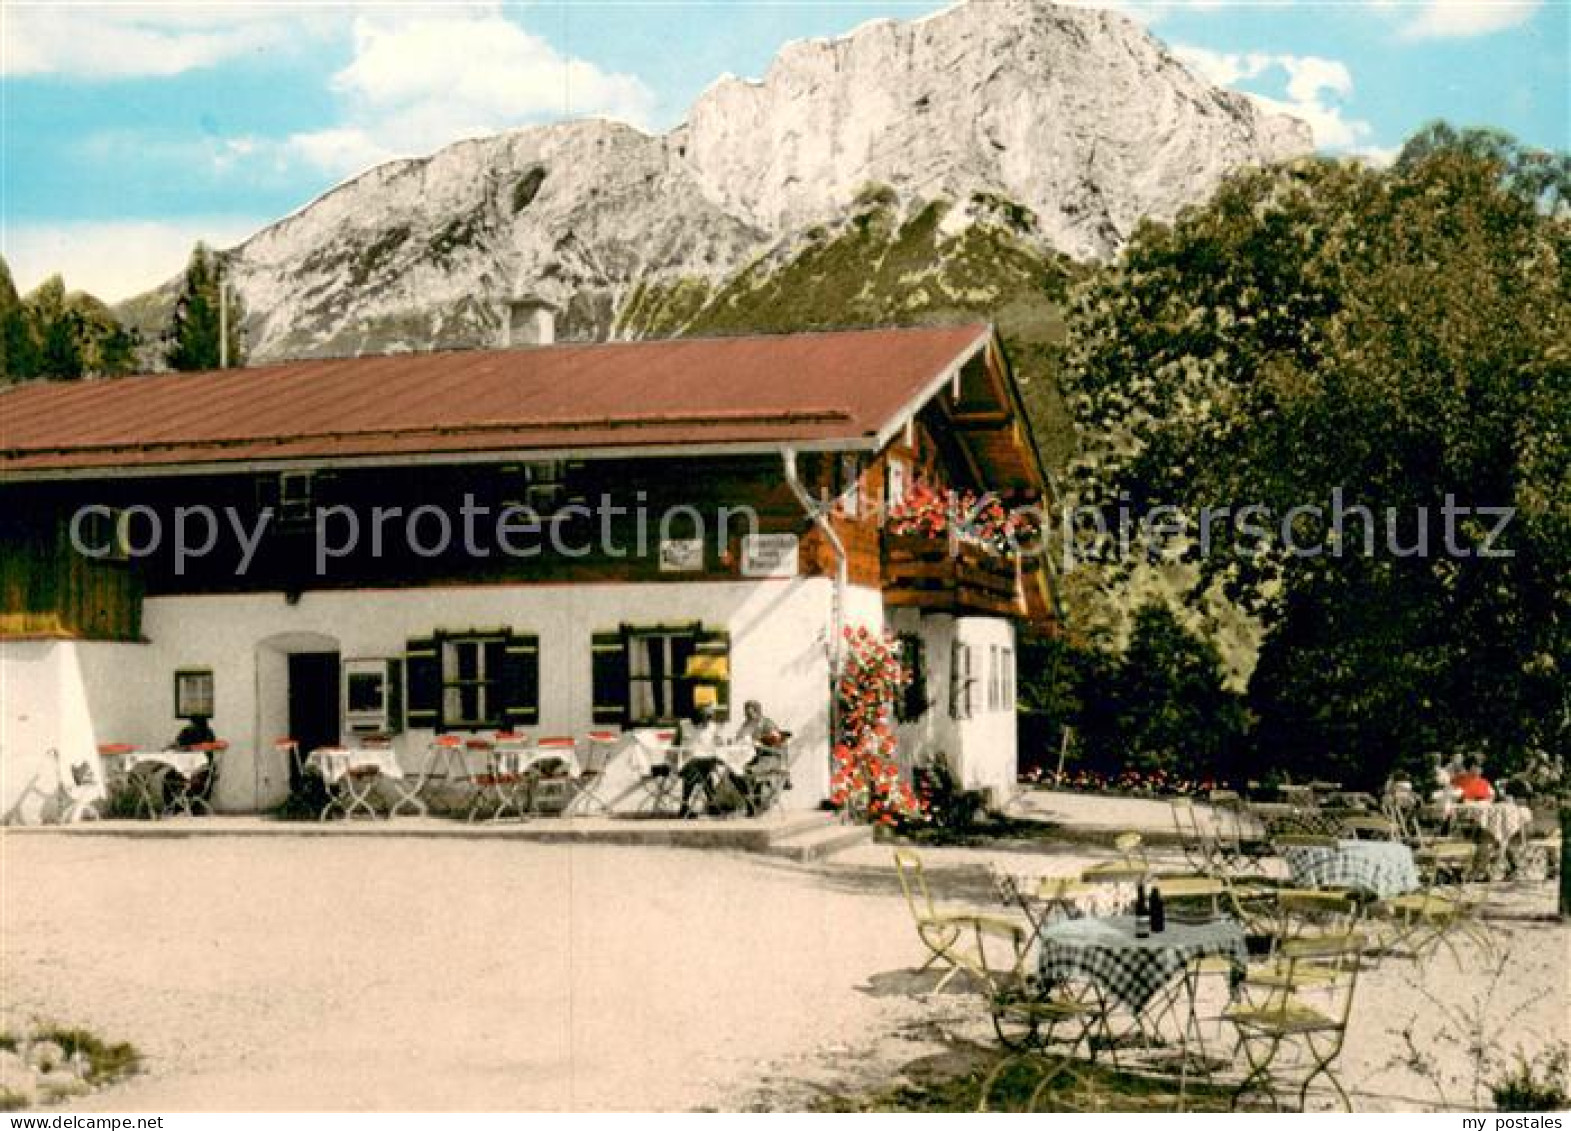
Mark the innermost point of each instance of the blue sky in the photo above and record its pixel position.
(131, 131)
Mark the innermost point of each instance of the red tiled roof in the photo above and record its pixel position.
(710, 392)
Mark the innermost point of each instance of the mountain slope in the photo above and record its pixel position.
(1073, 117)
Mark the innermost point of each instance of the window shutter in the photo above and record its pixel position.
(423, 681)
(521, 682)
(710, 667)
(608, 655)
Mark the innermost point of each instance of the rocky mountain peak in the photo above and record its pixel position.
(1077, 118)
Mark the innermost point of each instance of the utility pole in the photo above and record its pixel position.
(223, 313)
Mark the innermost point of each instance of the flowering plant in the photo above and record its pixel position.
(1136, 782)
(978, 520)
(866, 783)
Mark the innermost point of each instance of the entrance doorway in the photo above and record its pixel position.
(313, 700)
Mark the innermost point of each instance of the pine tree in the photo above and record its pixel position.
(193, 335)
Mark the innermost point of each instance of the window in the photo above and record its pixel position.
(295, 491)
(894, 484)
(476, 680)
(104, 533)
(1008, 675)
(656, 661)
(644, 676)
(194, 693)
(850, 485)
(471, 675)
(960, 681)
(912, 703)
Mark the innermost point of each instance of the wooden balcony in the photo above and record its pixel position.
(926, 573)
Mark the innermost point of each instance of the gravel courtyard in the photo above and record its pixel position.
(362, 973)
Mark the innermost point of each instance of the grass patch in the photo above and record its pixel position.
(106, 1062)
(1020, 1087)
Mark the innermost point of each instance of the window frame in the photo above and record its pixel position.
(184, 674)
(490, 691)
(672, 678)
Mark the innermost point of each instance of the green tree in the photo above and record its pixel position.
(18, 351)
(193, 333)
(57, 329)
(1397, 339)
(58, 334)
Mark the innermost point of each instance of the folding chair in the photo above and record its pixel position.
(1417, 924)
(946, 934)
(122, 791)
(1307, 1011)
(498, 782)
(77, 789)
(1200, 850)
(1370, 828)
(599, 749)
(1045, 1026)
(552, 772)
(767, 776)
(1131, 865)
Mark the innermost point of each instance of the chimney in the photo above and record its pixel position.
(528, 321)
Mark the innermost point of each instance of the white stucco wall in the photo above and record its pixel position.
(58, 700)
(778, 633)
(981, 750)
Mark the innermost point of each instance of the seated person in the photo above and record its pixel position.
(700, 734)
(760, 730)
(196, 732)
(1472, 784)
(1445, 792)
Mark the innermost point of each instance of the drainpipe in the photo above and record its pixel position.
(842, 574)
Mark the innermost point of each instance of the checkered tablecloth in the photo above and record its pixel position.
(1504, 821)
(1383, 868)
(1130, 969)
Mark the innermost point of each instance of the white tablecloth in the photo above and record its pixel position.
(333, 762)
(185, 762)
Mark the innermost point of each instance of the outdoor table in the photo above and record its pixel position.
(1380, 867)
(1503, 821)
(148, 784)
(351, 776)
(445, 761)
(1022, 886)
(1133, 970)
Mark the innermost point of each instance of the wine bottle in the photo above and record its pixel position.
(1142, 912)
(1158, 912)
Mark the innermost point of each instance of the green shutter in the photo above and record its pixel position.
(521, 682)
(608, 680)
(423, 680)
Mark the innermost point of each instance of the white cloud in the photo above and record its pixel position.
(115, 259)
(1312, 89)
(424, 78)
(104, 42)
(1456, 19)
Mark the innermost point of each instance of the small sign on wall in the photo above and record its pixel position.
(769, 555)
(681, 555)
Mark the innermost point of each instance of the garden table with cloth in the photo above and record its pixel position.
(1155, 978)
(147, 770)
(1503, 821)
(351, 776)
(1134, 970)
(1382, 868)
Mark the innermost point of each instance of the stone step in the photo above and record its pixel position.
(819, 843)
